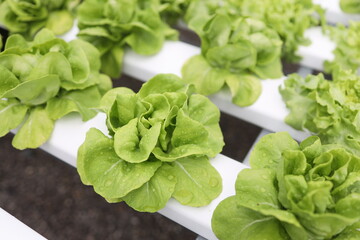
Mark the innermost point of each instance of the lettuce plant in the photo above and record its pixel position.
(235, 53)
(289, 18)
(173, 10)
(350, 6)
(329, 109)
(347, 51)
(27, 17)
(160, 144)
(43, 80)
(199, 12)
(292, 191)
(113, 24)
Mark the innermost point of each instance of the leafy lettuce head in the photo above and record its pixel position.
(162, 138)
(347, 51)
(289, 18)
(199, 12)
(113, 24)
(173, 10)
(237, 52)
(306, 191)
(244, 44)
(28, 17)
(43, 80)
(329, 109)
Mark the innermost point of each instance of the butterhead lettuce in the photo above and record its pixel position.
(293, 191)
(161, 140)
(289, 18)
(113, 24)
(329, 109)
(235, 53)
(27, 17)
(43, 80)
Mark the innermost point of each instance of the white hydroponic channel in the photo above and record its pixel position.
(13, 229)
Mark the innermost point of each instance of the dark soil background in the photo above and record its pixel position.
(47, 194)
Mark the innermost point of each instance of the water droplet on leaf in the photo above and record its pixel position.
(213, 182)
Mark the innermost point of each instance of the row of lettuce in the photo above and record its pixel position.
(260, 37)
(160, 139)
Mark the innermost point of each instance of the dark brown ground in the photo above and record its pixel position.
(47, 195)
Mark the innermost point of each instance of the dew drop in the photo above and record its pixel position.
(185, 196)
(213, 182)
(108, 183)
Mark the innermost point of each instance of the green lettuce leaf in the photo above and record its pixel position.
(110, 175)
(207, 80)
(154, 194)
(198, 182)
(268, 151)
(12, 114)
(84, 102)
(35, 131)
(234, 222)
(245, 88)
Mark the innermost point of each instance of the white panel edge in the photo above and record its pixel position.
(14, 229)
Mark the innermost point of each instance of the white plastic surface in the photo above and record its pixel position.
(334, 14)
(320, 49)
(12, 229)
